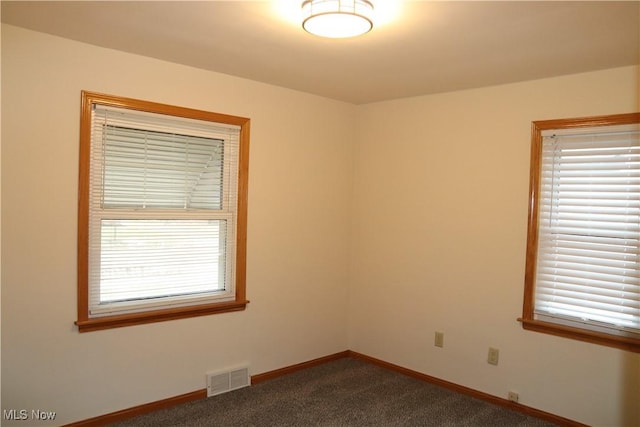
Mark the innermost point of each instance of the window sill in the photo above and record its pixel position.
(108, 322)
(623, 343)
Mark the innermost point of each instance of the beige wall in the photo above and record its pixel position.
(370, 227)
(297, 247)
(439, 234)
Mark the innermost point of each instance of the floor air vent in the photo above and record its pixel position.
(222, 382)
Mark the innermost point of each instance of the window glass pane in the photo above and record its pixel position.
(146, 259)
(146, 169)
(588, 266)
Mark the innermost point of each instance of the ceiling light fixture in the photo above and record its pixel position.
(337, 18)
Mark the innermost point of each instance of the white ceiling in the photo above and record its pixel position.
(415, 48)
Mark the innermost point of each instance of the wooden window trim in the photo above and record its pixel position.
(528, 321)
(86, 323)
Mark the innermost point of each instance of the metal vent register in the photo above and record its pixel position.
(222, 382)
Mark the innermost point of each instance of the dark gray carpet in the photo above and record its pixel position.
(345, 392)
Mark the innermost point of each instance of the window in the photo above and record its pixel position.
(582, 276)
(162, 212)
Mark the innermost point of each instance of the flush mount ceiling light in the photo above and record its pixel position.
(337, 18)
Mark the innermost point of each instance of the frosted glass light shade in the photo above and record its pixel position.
(337, 18)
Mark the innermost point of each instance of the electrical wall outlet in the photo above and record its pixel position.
(494, 354)
(513, 397)
(439, 340)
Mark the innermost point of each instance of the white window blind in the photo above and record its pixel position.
(588, 261)
(162, 211)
